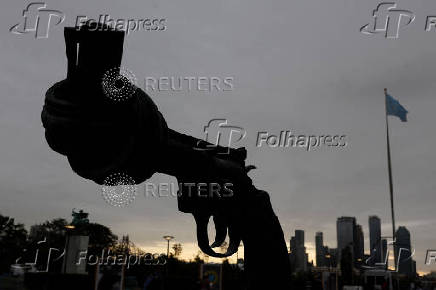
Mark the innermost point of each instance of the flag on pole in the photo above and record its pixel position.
(394, 108)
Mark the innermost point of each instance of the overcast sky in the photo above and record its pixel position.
(297, 65)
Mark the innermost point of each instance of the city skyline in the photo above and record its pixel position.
(350, 233)
(190, 250)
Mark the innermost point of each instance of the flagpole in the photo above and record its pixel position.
(391, 189)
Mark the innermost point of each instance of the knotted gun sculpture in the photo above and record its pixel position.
(116, 127)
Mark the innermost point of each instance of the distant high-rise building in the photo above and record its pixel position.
(345, 232)
(299, 238)
(293, 244)
(413, 268)
(385, 253)
(298, 256)
(331, 255)
(375, 239)
(320, 250)
(403, 252)
(359, 247)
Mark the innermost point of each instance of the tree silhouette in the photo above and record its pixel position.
(100, 237)
(12, 241)
(177, 249)
(52, 231)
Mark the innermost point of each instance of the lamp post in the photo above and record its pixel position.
(168, 239)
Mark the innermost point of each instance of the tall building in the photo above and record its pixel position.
(298, 256)
(293, 245)
(345, 232)
(359, 247)
(385, 253)
(299, 238)
(320, 250)
(403, 252)
(332, 255)
(375, 243)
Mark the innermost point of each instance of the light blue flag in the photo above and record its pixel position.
(394, 108)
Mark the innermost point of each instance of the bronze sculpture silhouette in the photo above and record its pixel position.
(81, 122)
(79, 218)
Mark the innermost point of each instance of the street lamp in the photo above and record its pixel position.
(168, 238)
